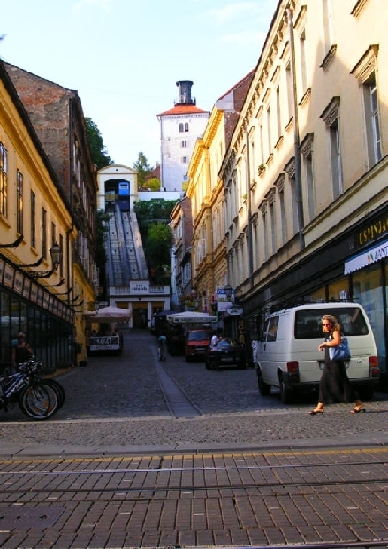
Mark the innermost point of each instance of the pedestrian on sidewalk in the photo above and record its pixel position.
(162, 340)
(22, 351)
(334, 385)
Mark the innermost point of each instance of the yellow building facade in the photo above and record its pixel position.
(35, 222)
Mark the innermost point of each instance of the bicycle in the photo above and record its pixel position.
(36, 398)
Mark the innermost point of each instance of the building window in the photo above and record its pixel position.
(290, 170)
(269, 130)
(303, 63)
(184, 159)
(365, 72)
(278, 112)
(44, 233)
(19, 203)
(33, 220)
(53, 234)
(279, 184)
(290, 91)
(335, 159)
(3, 180)
(327, 25)
(372, 120)
(183, 144)
(308, 175)
(186, 127)
(331, 118)
(181, 128)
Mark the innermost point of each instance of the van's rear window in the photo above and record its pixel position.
(308, 322)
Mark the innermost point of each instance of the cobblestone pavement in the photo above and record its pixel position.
(120, 402)
(148, 454)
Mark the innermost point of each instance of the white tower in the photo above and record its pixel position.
(180, 127)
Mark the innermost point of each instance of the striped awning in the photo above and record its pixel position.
(372, 255)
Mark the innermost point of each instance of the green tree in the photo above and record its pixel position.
(158, 251)
(153, 184)
(143, 170)
(98, 151)
(102, 227)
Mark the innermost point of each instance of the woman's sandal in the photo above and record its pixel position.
(357, 409)
(316, 411)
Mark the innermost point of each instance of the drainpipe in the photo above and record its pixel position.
(297, 153)
(249, 203)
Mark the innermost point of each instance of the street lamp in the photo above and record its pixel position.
(228, 292)
(56, 258)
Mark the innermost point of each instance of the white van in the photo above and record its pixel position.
(287, 355)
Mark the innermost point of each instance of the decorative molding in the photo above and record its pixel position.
(367, 64)
(271, 195)
(289, 168)
(358, 7)
(300, 18)
(279, 142)
(306, 146)
(263, 207)
(305, 98)
(329, 57)
(330, 114)
(280, 182)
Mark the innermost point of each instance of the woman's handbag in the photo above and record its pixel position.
(341, 351)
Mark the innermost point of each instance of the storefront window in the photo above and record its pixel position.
(368, 291)
(339, 290)
(319, 295)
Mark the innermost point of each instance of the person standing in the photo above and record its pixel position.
(334, 385)
(162, 346)
(22, 351)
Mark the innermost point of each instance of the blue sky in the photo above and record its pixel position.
(124, 57)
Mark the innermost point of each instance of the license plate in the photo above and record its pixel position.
(227, 359)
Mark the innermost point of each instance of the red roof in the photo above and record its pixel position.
(182, 109)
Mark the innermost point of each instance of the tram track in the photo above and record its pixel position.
(169, 479)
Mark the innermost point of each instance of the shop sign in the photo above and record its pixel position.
(234, 311)
(373, 231)
(18, 282)
(8, 276)
(34, 292)
(139, 288)
(222, 301)
(377, 253)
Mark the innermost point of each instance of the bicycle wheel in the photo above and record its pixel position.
(58, 388)
(39, 401)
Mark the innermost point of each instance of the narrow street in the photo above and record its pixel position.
(149, 454)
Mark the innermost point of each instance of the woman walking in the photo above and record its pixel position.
(334, 385)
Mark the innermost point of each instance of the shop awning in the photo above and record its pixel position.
(372, 255)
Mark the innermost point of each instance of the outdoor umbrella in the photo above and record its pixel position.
(193, 317)
(110, 314)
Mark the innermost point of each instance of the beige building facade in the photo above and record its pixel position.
(303, 209)
(306, 207)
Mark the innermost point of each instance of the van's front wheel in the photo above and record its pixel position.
(286, 395)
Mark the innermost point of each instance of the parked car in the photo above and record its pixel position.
(196, 342)
(227, 352)
(287, 356)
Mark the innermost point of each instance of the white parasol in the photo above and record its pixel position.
(109, 314)
(192, 317)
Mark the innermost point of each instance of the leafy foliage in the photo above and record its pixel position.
(98, 151)
(101, 228)
(143, 170)
(153, 217)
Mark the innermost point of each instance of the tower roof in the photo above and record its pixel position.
(182, 109)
